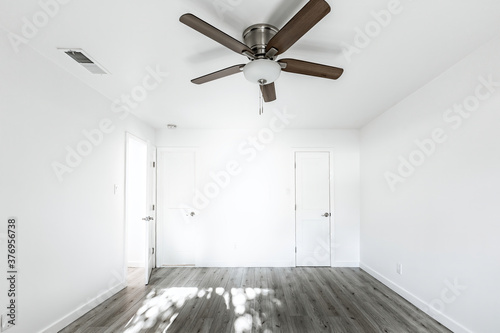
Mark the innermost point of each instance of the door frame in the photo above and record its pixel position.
(150, 148)
(331, 151)
(151, 199)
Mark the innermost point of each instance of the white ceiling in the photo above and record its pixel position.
(126, 37)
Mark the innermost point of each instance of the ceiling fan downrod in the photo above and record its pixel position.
(257, 37)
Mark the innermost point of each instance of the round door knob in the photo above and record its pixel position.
(192, 214)
(327, 215)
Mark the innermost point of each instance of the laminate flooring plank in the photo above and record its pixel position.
(249, 278)
(356, 313)
(376, 316)
(193, 277)
(316, 307)
(286, 305)
(261, 280)
(94, 330)
(196, 280)
(263, 301)
(230, 316)
(248, 282)
(222, 310)
(216, 301)
(181, 302)
(348, 319)
(201, 325)
(336, 317)
(240, 305)
(291, 292)
(126, 319)
(390, 310)
(237, 302)
(174, 278)
(279, 320)
(312, 286)
(396, 320)
(385, 321)
(187, 317)
(342, 325)
(331, 306)
(302, 324)
(236, 280)
(421, 321)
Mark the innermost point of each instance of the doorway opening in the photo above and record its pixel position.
(140, 216)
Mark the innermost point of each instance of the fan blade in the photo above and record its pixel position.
(297, 27)
(310, 68)
(219, 74)
(268, 92)
(212, 32)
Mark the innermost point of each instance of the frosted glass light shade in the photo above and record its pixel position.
(262, 69)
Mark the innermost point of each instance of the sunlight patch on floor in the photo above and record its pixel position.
(251, 307)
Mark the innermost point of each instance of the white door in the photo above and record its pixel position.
(312, 197)
(176, 190)
(150, 218)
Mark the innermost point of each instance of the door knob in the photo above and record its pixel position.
(147, 218)
(327, 214)
(192, 214)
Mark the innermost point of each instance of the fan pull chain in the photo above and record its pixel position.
(261, 103)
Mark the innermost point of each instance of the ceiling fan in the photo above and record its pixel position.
(263, 43)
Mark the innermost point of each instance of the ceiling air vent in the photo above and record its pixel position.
(83, 59)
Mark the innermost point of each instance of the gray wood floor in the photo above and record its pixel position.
(264, 300)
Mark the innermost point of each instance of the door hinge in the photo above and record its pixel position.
(154, 164)
(152, 250)
(153, 207)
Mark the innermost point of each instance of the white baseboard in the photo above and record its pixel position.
(227, 264)
(339, 264)
(345, 264)
(418, 302)
(77, 313)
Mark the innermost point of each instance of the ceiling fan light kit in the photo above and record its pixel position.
(263, 44)
(262, 71)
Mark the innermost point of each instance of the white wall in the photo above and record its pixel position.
(71, 240)
(251, 222)
(442, 219)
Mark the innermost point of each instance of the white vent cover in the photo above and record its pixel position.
(84, 59)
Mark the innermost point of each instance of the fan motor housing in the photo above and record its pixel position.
(257, 36)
